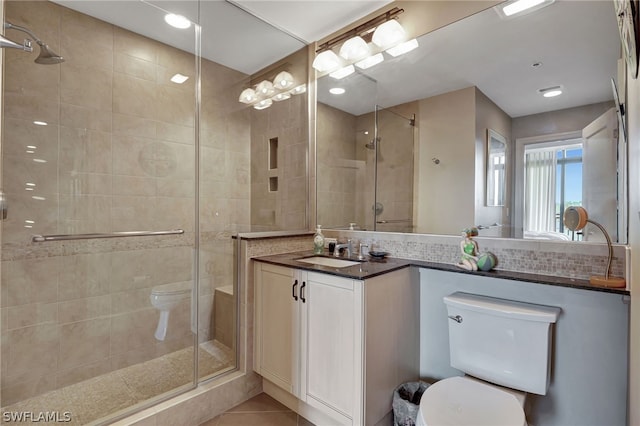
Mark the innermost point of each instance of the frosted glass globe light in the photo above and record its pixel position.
(388, 34)
(326, 61)
(355, 48)
(248, 96)
(283, 80)
(265, 88)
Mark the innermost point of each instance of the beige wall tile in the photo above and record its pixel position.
(134, 126)
(23, 363)
(83, 150)
(32, 314)
(90, 89)
(84, 309)
(134, 185)
(84, 275)
(134, 45)
(84, 342)
(81, 214)
(134, 67)
(134, 96)
(84, 118)
(30, 281)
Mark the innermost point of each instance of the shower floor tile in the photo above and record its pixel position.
(104, 395)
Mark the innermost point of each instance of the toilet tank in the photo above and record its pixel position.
(501, 341)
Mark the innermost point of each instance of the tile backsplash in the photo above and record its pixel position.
(571, 260)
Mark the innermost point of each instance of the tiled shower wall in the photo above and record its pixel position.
(120, 156)
(279, 154)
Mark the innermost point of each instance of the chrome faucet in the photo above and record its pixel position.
(348, 246)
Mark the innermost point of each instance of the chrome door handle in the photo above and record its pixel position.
(457, 318)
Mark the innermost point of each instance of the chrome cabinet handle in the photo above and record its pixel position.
(457, 318)
(4, 206)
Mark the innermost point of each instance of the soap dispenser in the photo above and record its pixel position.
(318, 241)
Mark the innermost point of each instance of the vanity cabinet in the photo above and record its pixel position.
(339, 345)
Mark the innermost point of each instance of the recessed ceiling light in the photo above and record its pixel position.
(337, 91)
(179, 78)
(177, 21)
(518, 7)
(40, 123)
(551, 92)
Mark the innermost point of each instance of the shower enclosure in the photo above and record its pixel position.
(365, 167)
(125, 187)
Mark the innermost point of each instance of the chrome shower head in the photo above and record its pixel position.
(46, 56)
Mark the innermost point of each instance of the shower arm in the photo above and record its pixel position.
(9, 25)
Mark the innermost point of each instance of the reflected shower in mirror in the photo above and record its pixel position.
(483, 72)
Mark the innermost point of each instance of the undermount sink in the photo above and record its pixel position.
(327, 261)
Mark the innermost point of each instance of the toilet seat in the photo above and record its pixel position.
(172, 288)
(460, 401)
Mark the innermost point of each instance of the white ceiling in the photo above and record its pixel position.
(577, 42)
(231, 34)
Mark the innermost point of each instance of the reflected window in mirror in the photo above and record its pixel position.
(496, 170)
(553, 181)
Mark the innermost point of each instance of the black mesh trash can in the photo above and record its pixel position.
(406, 402)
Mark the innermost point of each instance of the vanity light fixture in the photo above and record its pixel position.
(519, 7)
(343, 72)
(299, 89)
(337, 91)
(576, 218)
(370, 61)
(403, 48)
(265, 103)
(281, 96)
(551, 92)
(262, 95)
(177, 21)
(385, 34)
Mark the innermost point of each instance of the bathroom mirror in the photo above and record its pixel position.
(482, 72)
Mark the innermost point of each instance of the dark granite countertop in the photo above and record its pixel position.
(374, 267)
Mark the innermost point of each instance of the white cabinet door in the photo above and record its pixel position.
(276, 325)
(332, 346)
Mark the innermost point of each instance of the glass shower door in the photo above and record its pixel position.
(394, 143)
(96, 321)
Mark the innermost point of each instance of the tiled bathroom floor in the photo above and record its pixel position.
(261, 410)
(109, 393)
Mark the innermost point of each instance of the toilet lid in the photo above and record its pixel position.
(462, 402)
(172, 288)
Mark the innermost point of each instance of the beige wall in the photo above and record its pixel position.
(120, 156)
(286, 121)
(445, 191)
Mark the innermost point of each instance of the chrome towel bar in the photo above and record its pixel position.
(394, 221)
(63, 237)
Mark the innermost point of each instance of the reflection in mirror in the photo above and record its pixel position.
(483, 72)
(496, 167)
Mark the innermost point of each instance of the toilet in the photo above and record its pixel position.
(504, 348)
(166, 297)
